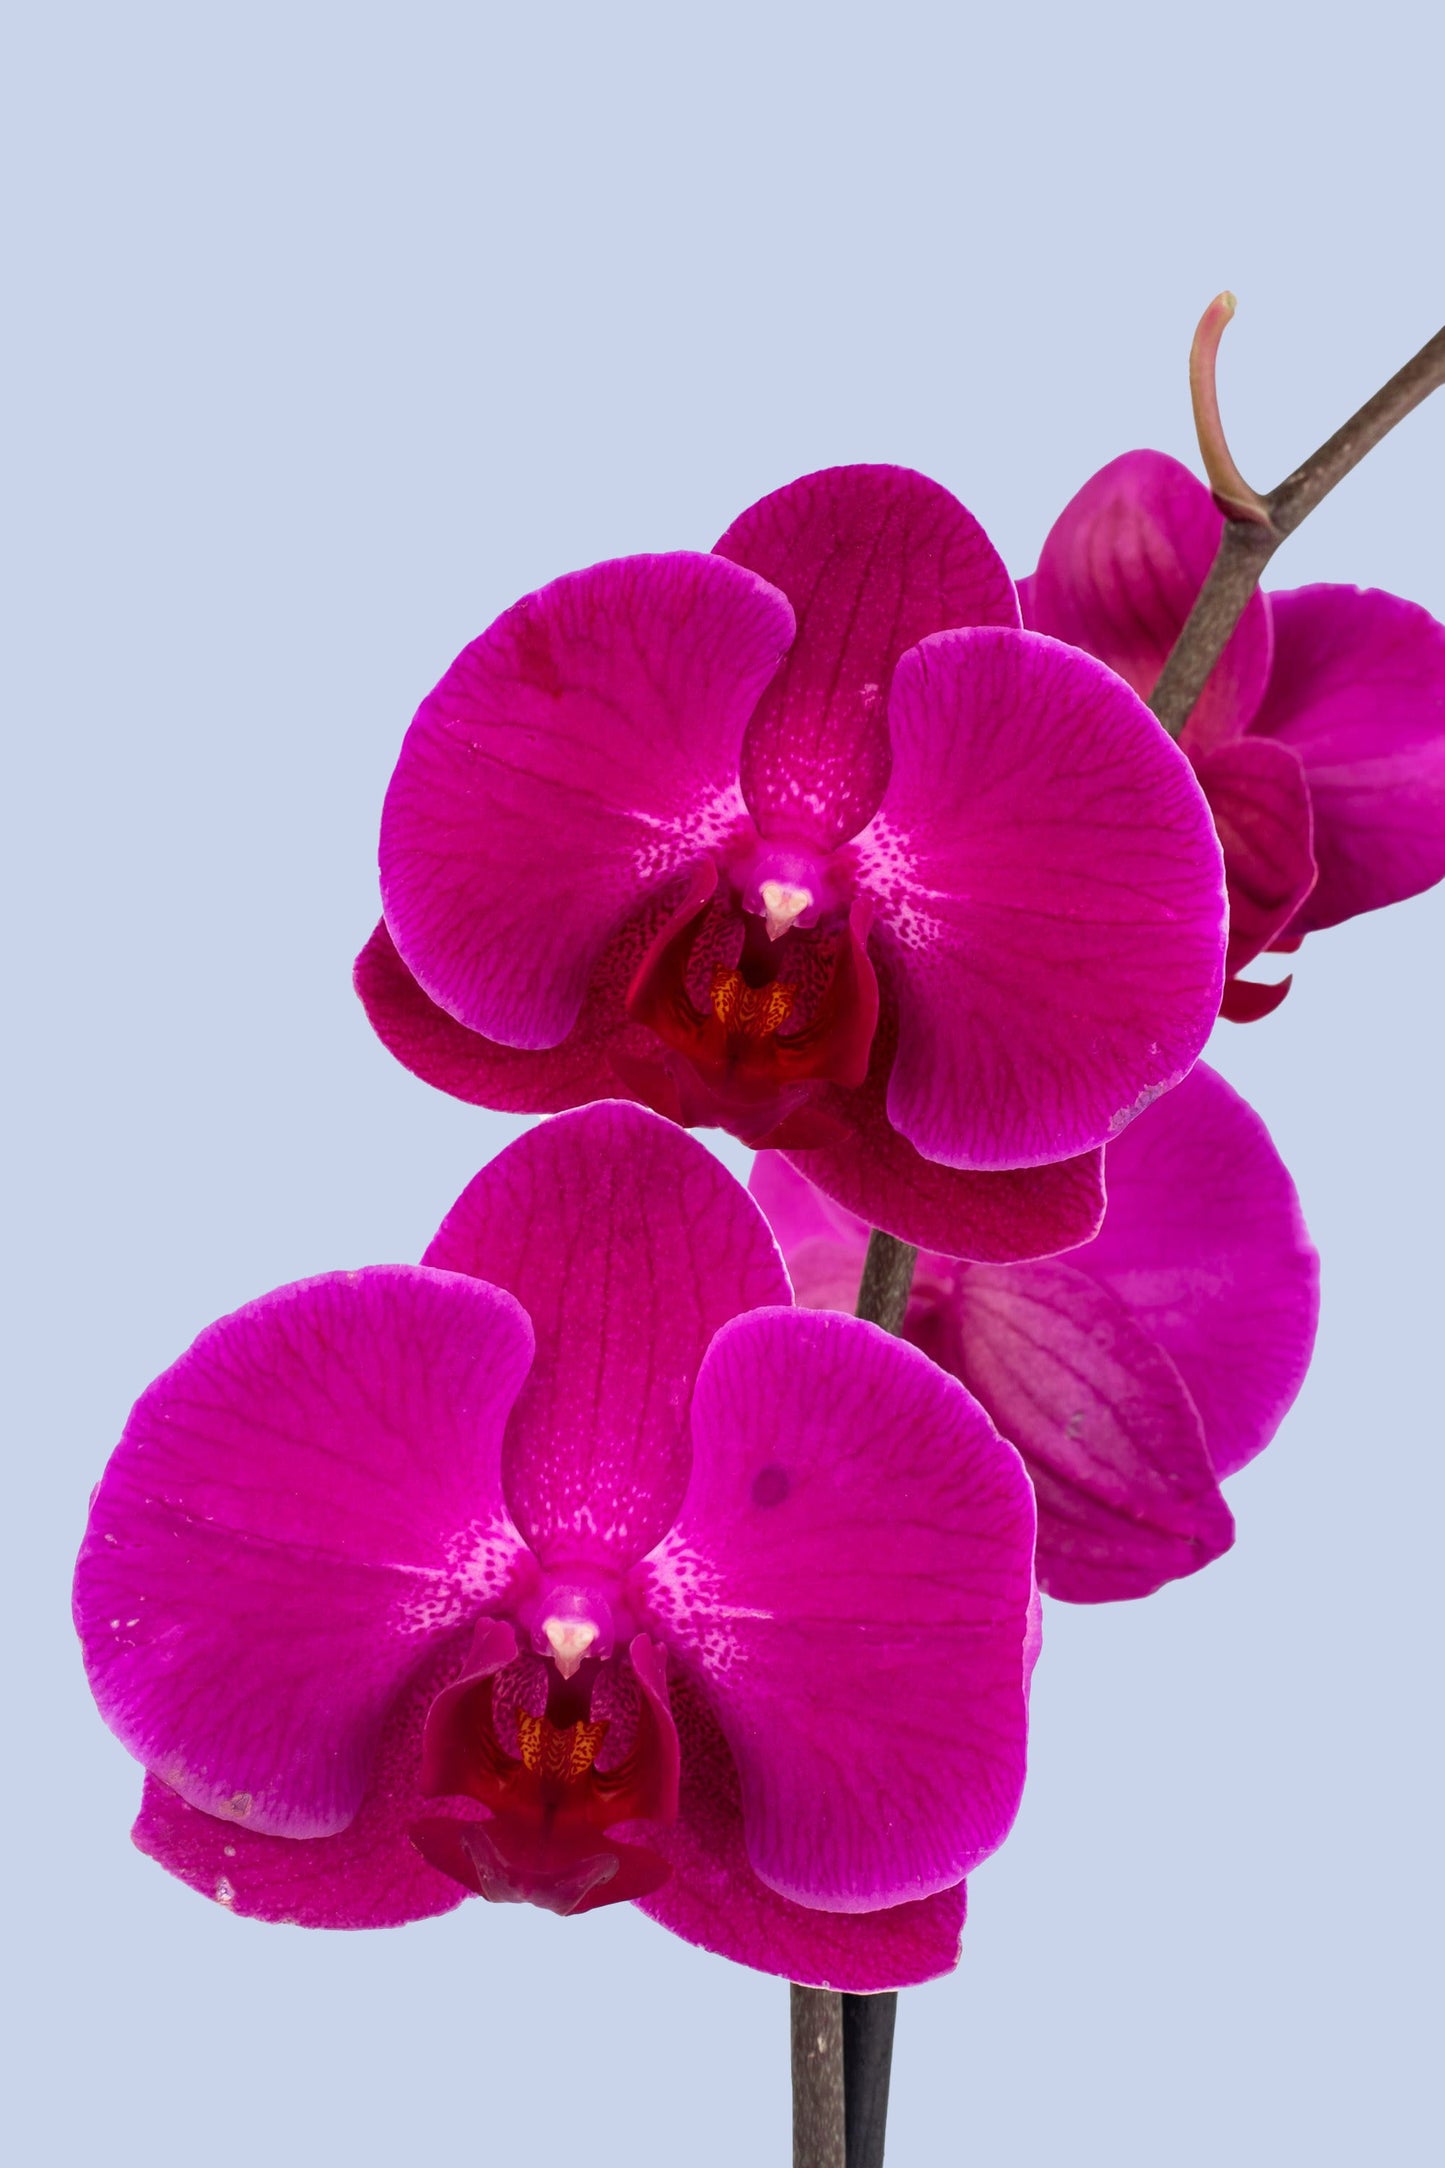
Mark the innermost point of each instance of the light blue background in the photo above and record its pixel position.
(334, 329)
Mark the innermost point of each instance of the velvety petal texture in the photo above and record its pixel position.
(715, 1899)
(1118, 575)
(1050, 902)
(628, 1245)
(872, 559)
(1358, 694)
(581, 751)
(851, 1573)
(298, 1510)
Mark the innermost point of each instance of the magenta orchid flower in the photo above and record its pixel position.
(807, 839)
(1319, 738)
(1134, 1373)
(572, 1566)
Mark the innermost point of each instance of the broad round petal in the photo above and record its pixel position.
(1205, 1243)
(1050, 902)
(368, 1875)
(1119, 573)
(871, 559)
(715, 1899)
(628, 1244)
(1261, 806)
(581, 751)
(1127, 1496)
(298, 1510)
(1358, 692)
(850, 1578)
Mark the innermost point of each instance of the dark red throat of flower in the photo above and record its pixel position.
(756, 1017)
(549, 1803)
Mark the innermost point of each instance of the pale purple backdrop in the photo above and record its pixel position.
(334, 329)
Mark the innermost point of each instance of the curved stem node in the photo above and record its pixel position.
(1233, 495)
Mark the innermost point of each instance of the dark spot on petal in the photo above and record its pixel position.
(770, 1486)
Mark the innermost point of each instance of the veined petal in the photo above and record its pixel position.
(1261, 806)
(850, 1579)
(298, 1510)
(1127, 1497)
(715, 1899)
(1358, 692)
(583, 750)
(628, 1245)
(1050, 902)
(871, 559)
(1204, 1241)
(1119, 573)
(369, 1874)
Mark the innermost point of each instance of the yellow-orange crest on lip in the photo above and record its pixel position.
(564, 1755)
(755, 1011)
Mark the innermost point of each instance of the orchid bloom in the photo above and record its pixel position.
(572, 1565)
(808, 840)
(1132, 1374)
(1319, 739)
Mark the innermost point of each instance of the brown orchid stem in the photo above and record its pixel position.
(1255, 525)
(816, 2024)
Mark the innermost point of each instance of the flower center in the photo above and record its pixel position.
(521, 1734)
(753, 1012)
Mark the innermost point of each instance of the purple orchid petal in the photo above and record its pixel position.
(587, 1065)
(1245, 1001)
(612, 1217)
(1261, 806)
(579, 753)
(1127, 1497)
(850, 1578)
(298, 1509)
(872, 1171)
(1358, 692)
(1119, 573)
(1205, 1244)
(1050, 902)
(871, 559)
(714, 1898)
(368, 1875)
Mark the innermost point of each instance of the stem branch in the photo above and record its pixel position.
(1251, 536)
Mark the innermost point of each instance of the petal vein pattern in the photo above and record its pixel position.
(851, 1576)
(1050, 902)
(583, 749)
(298, 1510)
